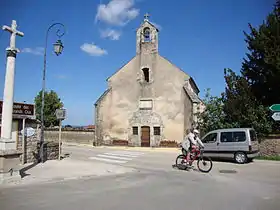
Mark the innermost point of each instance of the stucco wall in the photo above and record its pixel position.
(121, 103)
(118, 105)
(102, 116)
(170, 98)
(188, 110)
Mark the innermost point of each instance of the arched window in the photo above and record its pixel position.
(146, 74)
(147, 35)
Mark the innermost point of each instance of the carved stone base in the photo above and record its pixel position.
(9, 166)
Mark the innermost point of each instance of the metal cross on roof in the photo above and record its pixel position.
(146, 16)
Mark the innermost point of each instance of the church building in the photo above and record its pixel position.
(149, 100)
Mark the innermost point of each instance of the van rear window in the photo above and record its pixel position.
(253, 135)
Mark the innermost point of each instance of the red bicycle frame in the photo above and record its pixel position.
(196, 153)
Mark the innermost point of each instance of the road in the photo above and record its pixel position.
(155, 185)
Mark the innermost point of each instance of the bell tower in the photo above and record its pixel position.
(147, 37)
(146, 52)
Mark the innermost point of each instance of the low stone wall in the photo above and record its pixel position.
(51, 150)
(80, 137)
(120, 142)
(270, 147)
(168, 143)
(31, 148)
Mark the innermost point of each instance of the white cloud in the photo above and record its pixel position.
(34, 51)
(111, 34)
(61, 76)
(93, 49)
(117, 12)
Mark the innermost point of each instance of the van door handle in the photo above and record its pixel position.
(218, 143)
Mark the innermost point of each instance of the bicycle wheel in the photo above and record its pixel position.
(181, 162)
(204, 164)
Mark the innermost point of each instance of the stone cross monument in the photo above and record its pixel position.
(9, 156)
(8, 97)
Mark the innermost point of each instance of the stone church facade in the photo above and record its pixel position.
(148, 100)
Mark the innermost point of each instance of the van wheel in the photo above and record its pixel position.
(240, 157)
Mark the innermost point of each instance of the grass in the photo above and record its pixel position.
(274, 157)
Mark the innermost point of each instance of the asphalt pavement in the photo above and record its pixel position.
(154, 185)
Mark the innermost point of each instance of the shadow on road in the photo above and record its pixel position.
(221, 160)
(22, 171)
(183, 168)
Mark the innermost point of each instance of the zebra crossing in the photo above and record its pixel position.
(117, 156)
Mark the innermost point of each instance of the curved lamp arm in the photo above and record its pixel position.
(59, 33)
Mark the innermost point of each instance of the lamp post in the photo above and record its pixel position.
(58, 47)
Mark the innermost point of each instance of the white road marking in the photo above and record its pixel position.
(107, 160)
(118, 154)
(114, 157)
(131, 153)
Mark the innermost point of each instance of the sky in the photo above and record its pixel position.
(200, 37)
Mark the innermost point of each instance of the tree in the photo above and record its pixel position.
(261, 68)
(52, 102)
(241, 107)
(247, 96)
(237, 107)
(213, 117)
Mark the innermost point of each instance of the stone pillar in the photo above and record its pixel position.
(9, 155)
(7, 115)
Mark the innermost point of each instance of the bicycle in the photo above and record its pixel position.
(195, 154)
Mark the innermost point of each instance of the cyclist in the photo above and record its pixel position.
(191, 142)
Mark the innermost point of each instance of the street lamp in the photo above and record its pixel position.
(58, 47)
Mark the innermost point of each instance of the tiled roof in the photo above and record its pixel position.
(102, 96)
(192, 95)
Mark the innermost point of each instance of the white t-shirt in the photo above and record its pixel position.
(190, 138)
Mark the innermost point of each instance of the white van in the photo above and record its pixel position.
(240, 144)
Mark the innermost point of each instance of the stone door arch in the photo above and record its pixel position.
(145, 121)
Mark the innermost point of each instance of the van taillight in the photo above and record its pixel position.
(250, 148)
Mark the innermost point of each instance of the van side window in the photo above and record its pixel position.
(239, 136)
(226, 137)
(210, 138)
